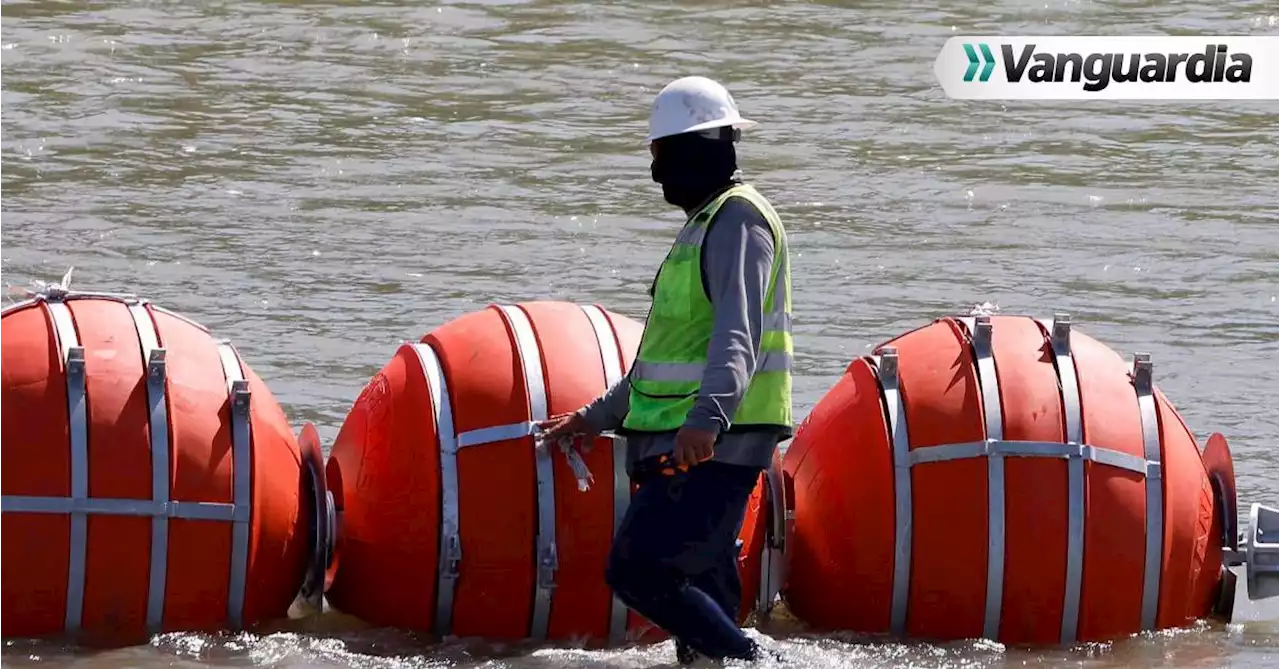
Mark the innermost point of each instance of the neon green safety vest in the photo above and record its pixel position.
(673, 351)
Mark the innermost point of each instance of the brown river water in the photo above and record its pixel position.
(319, 181)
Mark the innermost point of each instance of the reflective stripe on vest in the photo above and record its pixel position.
(771, 361)
(673, 352)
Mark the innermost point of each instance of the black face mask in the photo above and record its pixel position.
(692, 168)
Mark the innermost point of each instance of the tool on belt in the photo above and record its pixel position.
(664, 464)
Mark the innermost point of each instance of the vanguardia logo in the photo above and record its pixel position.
(988, 62)
(1135, 67)
(1099, 70)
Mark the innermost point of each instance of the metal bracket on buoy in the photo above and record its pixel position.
(452, 557)
(548, 563)
(1262, 552)
(780, 520)
(324, 522)
(1258, 550)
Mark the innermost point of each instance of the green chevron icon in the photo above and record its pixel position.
(987, 58)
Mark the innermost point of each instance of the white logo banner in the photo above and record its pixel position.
(1110, 68)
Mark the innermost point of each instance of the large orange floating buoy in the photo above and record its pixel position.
(1006, 478)
(151, 482)
(451, 521)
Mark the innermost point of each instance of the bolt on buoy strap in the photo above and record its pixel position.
(610, 359)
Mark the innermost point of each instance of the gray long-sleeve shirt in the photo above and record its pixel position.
(737, 256)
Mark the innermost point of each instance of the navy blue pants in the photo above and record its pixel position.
(674, 560)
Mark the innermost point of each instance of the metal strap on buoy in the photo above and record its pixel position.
(1059, 330)
(995, 448)
(241, 467)
(73, 365)
(610, 357)
(450, 537)
(158, 427)
(535, 385)
(1143, 386)
(993, 424)
(886, 368)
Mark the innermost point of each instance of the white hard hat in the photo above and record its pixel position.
(692, 104)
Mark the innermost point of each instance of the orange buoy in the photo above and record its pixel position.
(1005, 478)
(450, 519)
(151, 482)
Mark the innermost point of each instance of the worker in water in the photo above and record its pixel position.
(708, 397)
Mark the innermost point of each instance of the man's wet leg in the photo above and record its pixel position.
(675, 527)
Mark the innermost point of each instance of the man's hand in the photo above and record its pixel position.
(694, 446)
(566, 425)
